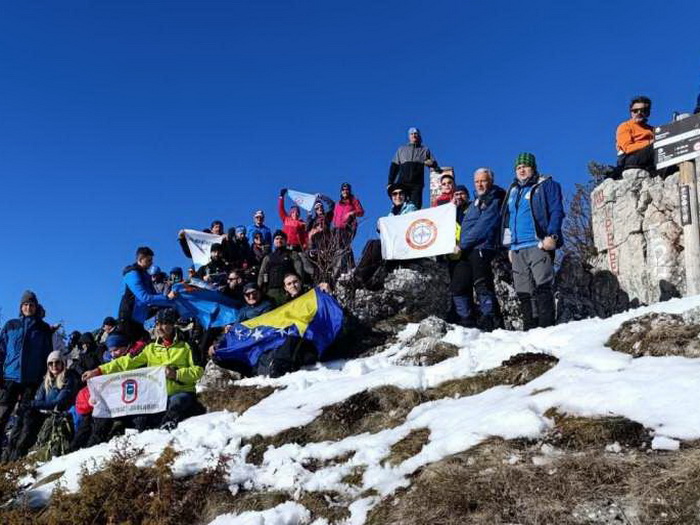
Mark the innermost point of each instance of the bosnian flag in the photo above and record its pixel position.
(422, 233)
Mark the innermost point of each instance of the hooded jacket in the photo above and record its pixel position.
(178, 355)
(54, 397)
(481, 222)
(408, 165)
(546, 205)
(139, 295)
(406, 207)
(25, 343)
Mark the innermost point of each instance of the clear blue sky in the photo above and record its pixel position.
(123, 121)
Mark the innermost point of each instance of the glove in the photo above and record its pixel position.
(283, 192)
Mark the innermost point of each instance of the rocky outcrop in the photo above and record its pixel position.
(637, 232)
(658, 334)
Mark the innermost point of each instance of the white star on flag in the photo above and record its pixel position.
(257, 334)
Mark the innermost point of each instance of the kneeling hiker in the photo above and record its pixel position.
(181, 372)
(47, 413)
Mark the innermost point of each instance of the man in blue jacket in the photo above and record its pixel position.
(25, 343)
(533, 214)
(140, 298)
(478, 242)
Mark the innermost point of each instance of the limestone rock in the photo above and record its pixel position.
(432, 327)
(637, 232)
(216, 378)
(427, 351)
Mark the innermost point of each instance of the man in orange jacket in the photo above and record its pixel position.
(635, 138)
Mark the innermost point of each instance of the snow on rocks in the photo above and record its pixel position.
(589, 380)
(288, 513)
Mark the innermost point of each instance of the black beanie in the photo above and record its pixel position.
(28, 297)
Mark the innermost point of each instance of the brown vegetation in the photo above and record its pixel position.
(234, 398)
(657, 334)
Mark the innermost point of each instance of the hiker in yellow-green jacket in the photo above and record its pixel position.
(181, 373)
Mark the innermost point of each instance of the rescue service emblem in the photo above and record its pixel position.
(130, 391)
(421, 234)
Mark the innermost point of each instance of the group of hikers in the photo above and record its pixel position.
(259, 270)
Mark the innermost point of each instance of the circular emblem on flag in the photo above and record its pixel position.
(696, 146)
(421, 234)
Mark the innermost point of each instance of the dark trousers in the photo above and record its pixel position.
(640, 159)
(473, 273)
(25, 433)
(10, 394)
(181, 405)
(415, 194)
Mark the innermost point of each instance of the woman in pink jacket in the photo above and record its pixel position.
(346, 211)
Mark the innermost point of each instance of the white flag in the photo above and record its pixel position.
(199, 244)
(421, 233)
(303, 200)
(140, 391)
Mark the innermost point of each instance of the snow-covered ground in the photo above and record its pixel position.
(589, 380)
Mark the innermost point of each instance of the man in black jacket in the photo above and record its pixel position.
(408, 166)
(276, 265)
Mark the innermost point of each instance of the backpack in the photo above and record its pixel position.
(55, 436)
(294, 353)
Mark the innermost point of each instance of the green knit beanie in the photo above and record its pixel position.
(527, 159)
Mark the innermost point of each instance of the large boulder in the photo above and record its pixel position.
(637, 232)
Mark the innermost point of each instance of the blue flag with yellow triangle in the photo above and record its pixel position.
(315, 316)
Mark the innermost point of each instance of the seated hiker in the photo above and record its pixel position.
(478, 243)
(93, 430)
(294, 287)
(255, 303)
(139, 296)
(635, 138)
(217, 228)
(216, 270)
(259, 250)
(292, 224)
(56, 393)
(276, 265)
(234, 286)
(283, 340)
(181, 372)
(371, 271)
(447, 190)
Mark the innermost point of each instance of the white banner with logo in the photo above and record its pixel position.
(303, 200)
(140, 391)
(422, 233)
(200, 243)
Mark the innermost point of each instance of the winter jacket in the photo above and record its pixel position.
(546, 205)
(343, 208)
(216, 270)
(313, 219)
(632, 136)
(294, 228)
(406, 207)
(444, 198)
(482, 220)
(25, 343)
(54, 397)
(238, 252)
(250, 312)
(276, 265)
(178, 355)
(408, 165)
(264, 230)
(139, 295)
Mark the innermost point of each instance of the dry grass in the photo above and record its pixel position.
(387, 406)
(657, 334)
(234, 398)
(121, 492)
(578, 433)
(355, 476)
(408, 447)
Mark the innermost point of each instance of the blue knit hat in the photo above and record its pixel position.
(116, 341)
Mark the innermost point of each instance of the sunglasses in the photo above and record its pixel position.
(55, 363)
(250, 294)
(643, 111)
(394, 193)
